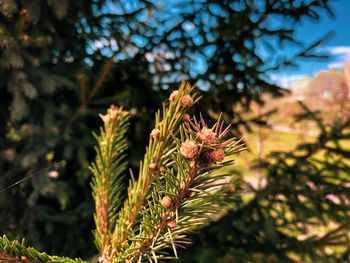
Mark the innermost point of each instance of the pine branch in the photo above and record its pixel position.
(188, 194)
(97, 85)
(157, 155)
(13, 251)
(108, 170)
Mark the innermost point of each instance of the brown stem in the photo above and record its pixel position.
(143, 246)
(130, 218)
(22, 19)
(104, 72)
(102, 205)
(102, 213)
(138, 190)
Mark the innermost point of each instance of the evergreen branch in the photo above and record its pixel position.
(155, 157)
(101, 78)
(188, 194)
(22, 19)
(13, 251)
(165, 220)
(108, 169)
(98, 83)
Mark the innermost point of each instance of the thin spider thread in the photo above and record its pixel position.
(55, 165)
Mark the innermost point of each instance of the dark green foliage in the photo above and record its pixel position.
(109, 170)
(54, 82)
(223, 40)
(186, 194)
(49, 99)
(17, 252)
(306, 195)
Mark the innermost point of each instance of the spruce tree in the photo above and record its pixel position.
(180, 187)
(63, 63)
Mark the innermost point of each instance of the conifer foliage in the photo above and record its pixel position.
(62, 62)
(181, 186)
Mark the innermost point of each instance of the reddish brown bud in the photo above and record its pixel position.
(155, 133)
(215, 156)
(171, 223)
(186, 101)
(138, 245)
(152, 167)
(185, 117)
(114, 111)
(230, 188)
(189, 149)
(24, 38)
(23, 12)
(174, 95)
(166, 202)
(206, 135)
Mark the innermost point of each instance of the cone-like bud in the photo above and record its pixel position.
(206, 135)
(186, 101)
(171, 223)
(215, 156)
(155, 133)
(189, 149)
(152, 167)
(166, 202)
(173, 95)
(185, 117)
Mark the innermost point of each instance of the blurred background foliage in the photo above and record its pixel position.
(63, 62)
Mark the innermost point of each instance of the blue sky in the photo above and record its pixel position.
(338, 47)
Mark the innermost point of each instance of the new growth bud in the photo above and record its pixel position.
(23, 12)
(171, 223)
(215, 156)
(189, 149)
(186, 101)
(166, 202)
(112, 113)
(185, 117)
(206, 135)
(155, 133)
(173, 95)
(152, 167)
